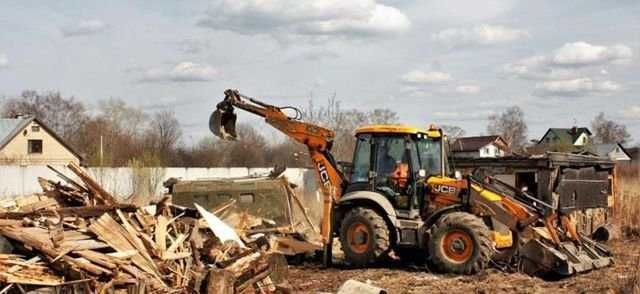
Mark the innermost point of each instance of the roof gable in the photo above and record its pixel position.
(11, 127)
(603, 150)
(564, 135)
(467, 144)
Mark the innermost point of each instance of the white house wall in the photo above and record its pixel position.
(582, 140)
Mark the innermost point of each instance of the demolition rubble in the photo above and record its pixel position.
(76, 237)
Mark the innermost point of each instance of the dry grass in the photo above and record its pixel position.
(630, 283)
(629, 206)
(629, 218)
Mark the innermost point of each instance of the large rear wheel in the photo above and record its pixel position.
(364, 236)
(460, 243)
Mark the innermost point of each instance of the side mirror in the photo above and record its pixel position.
(422, 173)
(458, 175)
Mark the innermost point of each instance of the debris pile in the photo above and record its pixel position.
(77, 237)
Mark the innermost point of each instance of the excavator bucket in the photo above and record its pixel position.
(222, 121)
(541, 258)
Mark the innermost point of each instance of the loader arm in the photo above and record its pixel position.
(550, 242)
(317, 139)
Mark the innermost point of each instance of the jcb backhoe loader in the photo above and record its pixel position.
(402, 196)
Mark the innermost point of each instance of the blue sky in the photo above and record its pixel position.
(446, 62)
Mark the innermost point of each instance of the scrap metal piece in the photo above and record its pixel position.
(220, 229)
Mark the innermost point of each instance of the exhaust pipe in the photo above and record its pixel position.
(222, 121)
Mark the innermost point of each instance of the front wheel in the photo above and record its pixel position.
(364, 236)
(460, 243)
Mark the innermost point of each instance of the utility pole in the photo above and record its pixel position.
(101, 152)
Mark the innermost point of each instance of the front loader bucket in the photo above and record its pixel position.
(542, 258)
(222, 122)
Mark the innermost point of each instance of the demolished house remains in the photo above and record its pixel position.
(257, 204)
(581, 185)
(76, 237)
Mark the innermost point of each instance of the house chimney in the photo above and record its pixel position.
(574, 130)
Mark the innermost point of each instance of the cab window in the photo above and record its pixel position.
(361, 160)
(429, 151)
(391, 152)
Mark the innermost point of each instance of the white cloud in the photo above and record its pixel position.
(479, 35)
(471, 115)
(315, 54)
(567, 62)
(4, 60)
(537, 68)
(84, 27)
(182, 72)
(352, 18)
(575, 87)
(582, 54)
(467, 89)
(632, 112)
(421, 77)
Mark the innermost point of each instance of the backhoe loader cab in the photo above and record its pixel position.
(395, 161)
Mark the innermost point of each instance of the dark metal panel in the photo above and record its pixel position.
(581, 188)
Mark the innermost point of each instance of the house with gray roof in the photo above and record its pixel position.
(574, 136)
(613, 151)
(480, 147)
(25, 140)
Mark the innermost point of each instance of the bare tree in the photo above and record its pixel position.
(164, 132)
(382, 116)
(607, 131)
(119, 131)
(452, 131)
(65, 115)
(345, 122)
(510, 125)
(249, 150)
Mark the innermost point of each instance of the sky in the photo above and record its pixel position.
(448, 62)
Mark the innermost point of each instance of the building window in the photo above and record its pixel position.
(247, 198)
(35, 146)
(35, 128)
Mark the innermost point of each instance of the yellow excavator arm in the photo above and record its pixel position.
(317, 139)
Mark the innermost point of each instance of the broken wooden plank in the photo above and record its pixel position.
(220, 281)
(112, 233)
(161, 234)
(80, 211)
(104, 196)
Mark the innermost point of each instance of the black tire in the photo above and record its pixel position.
(460, 243)
(364, 236)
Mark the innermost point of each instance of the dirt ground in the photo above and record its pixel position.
(616, 279)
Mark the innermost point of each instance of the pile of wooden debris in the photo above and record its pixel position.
(76, 237)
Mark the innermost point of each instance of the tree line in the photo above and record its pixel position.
(117, 134)
(511, 125)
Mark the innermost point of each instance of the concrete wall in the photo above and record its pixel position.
(124, 182)
(53, 152)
